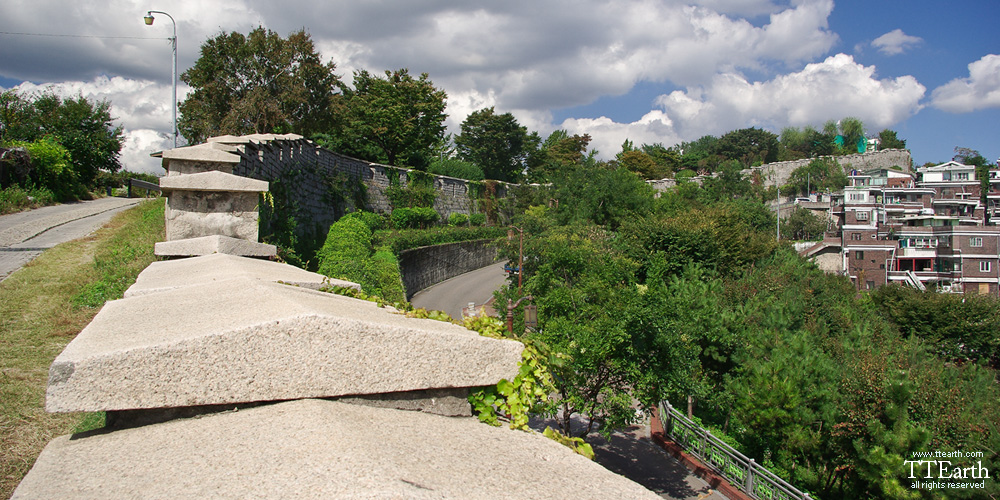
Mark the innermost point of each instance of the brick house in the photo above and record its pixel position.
(921, 230)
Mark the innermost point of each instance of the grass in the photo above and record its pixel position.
(42, 307)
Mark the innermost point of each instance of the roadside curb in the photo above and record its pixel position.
(24, 232)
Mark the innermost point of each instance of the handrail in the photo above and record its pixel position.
(142, 185)
(742, 472)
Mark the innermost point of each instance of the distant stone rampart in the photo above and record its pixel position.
(781, 171)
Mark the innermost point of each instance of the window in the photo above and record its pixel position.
(860, 254)
(962, 176)
(870, 285)
(861, 215)
(858, 196)
(856, 236)
(976, 241)
(984, 266)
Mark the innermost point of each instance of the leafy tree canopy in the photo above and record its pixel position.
(750, 146)
(888, 140)
(258, 83)
(497, 143)
(397, 119)
(85, 128)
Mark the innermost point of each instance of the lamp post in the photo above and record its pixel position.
(520, 254)
(530, 314)
(148, 18)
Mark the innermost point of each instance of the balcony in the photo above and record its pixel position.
(925, 253)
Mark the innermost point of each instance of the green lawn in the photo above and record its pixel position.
(42, 307)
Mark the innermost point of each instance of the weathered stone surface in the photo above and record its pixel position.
(447, 402)
(172, 274)
(212, 181)
(207, 245)
(244, 340)
(206, 152)
(319, 449)
(192, 214)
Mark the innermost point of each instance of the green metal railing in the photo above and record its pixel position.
(742, 472)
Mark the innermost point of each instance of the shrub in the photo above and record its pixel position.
(372, 220)
(453, 167)
(52, 168)
(409, 218)
(347, 246)
(382, 276)
(457, 219)
(477, 219)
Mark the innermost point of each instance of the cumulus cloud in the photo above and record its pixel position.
(141, 107)
(980, 90)
(834, 88)
(895, 42)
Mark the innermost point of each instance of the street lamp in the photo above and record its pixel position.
(520, 254)
(530, 314)
(148, 18)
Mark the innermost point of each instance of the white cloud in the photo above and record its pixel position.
(980, 90)
(141, 107)
(832, 89)
(607, 136)
(895, 42)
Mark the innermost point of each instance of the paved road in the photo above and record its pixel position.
(25, 235)
(452, 295)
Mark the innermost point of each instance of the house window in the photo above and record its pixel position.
(976, 241)
(856, 236)
(870, 284)
(858, 196)
(962, 176)
(859, 254)
(984, 266)
(861, 215)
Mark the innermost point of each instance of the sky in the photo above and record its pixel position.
(649, 71)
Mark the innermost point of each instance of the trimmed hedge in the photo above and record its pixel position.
(411, 218)
(402, 240)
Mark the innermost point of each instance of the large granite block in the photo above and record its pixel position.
(172, 274)
(319, 449)
(207, 245)
(211, 203)
(244, 340)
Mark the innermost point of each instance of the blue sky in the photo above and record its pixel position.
(650, 71)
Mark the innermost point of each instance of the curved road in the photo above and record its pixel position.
(25, 235)
(453, 294)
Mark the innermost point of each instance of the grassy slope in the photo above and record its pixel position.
(38, 318)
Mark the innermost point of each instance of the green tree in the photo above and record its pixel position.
(258, 83)
(803, 224)
(750, 146)
(453, 167)
(496, 143)
(642, 164)
(853, 131)
(397, 120)
(85, 128)
(887, 139)
(819, 175)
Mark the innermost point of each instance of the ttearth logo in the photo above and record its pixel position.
(947, 470)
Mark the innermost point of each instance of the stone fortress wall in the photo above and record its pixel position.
(327, 184)
(781, 171)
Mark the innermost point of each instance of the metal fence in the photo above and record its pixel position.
(735, 467)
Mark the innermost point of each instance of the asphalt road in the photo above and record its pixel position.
(452, 295)
(25, 235)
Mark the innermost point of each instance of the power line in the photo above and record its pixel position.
(85, 36)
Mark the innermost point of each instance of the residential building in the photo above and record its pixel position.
(928, 229)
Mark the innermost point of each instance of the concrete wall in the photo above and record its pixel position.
(425, 266)
(324, 185)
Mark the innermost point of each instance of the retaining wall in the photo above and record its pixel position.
(426, 266)
(781, 171)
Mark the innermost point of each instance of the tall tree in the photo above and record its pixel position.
(853, 131)
(749, 145)
(497, 143)
(399, 119)
(888, 140)
(85, 128)
(259, 83)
